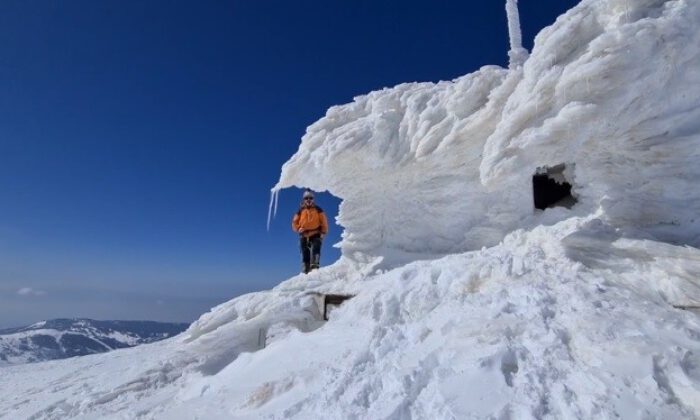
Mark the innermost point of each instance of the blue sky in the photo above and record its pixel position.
(139, 140)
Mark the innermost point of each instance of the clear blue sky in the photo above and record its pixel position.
(139, 140)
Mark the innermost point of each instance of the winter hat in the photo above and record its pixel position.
(308, 193)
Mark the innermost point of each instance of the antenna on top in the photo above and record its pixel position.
(517, 53)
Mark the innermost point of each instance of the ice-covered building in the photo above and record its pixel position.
(609, 94)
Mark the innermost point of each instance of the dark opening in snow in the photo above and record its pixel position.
(551, 188)
(331, 302)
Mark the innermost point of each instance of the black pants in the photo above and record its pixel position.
(310, 252)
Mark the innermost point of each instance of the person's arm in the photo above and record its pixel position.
(324, 224)
(295, 223)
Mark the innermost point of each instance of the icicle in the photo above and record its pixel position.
(269, 209)
(517, 53)
(272, 209)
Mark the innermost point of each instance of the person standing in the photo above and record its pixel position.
(311, 224)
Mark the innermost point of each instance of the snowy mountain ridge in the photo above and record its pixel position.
(63, 338)
(466, 301)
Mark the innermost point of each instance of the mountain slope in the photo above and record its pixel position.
(62, 338)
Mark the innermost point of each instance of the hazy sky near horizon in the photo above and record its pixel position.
(139, 140)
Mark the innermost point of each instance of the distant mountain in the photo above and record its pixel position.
(63, 338)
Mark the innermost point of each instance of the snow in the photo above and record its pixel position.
(468, 303)
(126, 338)
(61, 338)
(24, 350)
(532, 327)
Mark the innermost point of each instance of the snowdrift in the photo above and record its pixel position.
(468, 302)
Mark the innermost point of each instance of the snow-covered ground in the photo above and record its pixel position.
(468, 302)
(567, 321)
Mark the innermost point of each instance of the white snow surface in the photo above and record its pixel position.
(469, 304)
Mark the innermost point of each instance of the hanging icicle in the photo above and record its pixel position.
(272, 209)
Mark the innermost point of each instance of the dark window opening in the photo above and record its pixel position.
(551, 188)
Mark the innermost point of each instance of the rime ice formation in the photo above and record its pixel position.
(610, 89)
(615, 94)
(468, 303)
(517, 53)
(405, 161)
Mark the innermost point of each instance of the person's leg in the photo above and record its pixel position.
(305, 254)
(316, 251)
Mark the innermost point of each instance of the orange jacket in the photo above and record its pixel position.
(312, 220)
